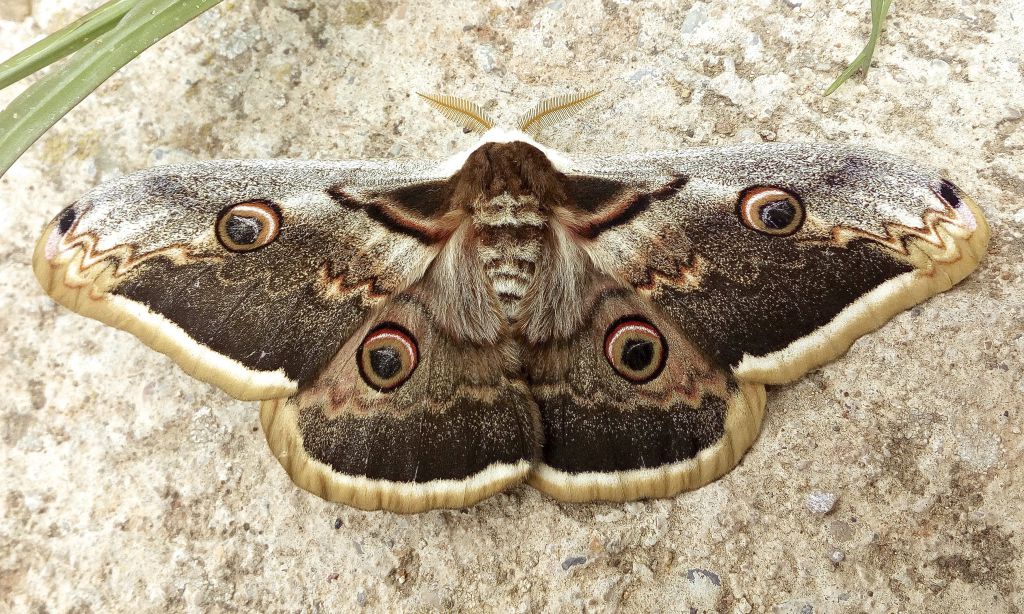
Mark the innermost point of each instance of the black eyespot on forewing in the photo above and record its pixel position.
(66, 220)
(243, 230)
(249, 225)
(770, 210)
(778, 215)
(637, 354)
(950, 193)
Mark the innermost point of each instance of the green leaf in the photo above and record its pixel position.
(64, 42)
(43, 104)
(879, 11)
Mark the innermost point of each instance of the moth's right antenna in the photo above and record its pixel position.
(467, 114)
(549, 112)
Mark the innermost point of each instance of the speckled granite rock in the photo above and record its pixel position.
(125, 485)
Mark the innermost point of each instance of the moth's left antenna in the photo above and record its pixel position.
(549, 112)
(467, 114)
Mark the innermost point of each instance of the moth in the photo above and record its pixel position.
(426, 334)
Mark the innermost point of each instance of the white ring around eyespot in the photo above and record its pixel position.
(401, 339)
(647, 328)
(260, 213)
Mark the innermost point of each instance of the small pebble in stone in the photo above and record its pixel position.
(821, 502)
(693, 574)
(837, 556)
(485, 58)
(573, 561)
(337, 523)
(695, 18)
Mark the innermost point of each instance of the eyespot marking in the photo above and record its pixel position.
(635, 349)
(387, 357)
(770, 210)
(66, 220)
(249, 225)
(948, 193)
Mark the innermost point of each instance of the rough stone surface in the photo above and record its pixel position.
(125, 485)
(821, 502)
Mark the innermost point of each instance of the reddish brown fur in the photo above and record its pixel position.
(517, 168)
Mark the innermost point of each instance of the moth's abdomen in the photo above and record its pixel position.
(510, 232)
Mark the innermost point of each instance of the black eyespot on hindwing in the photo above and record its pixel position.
(66, 219)
(635, 349)
(247, 226)
(387, 357)
(770, 210)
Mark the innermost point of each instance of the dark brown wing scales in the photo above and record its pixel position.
(773, 259)
(601, 436)
(632, 409)
(253, 310)
(248, 274)
(461, 426)
(419, 210)
(420, 445)
(781, 292)
(614, 202)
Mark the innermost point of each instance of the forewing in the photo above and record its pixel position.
(879, 235)
(154, 253)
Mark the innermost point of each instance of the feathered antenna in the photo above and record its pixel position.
(549, 112)
(467, 114)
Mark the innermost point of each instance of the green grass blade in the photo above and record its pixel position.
(64, 42)
(879, 11)
(46, 101)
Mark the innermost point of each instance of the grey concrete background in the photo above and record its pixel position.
(887, 481)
